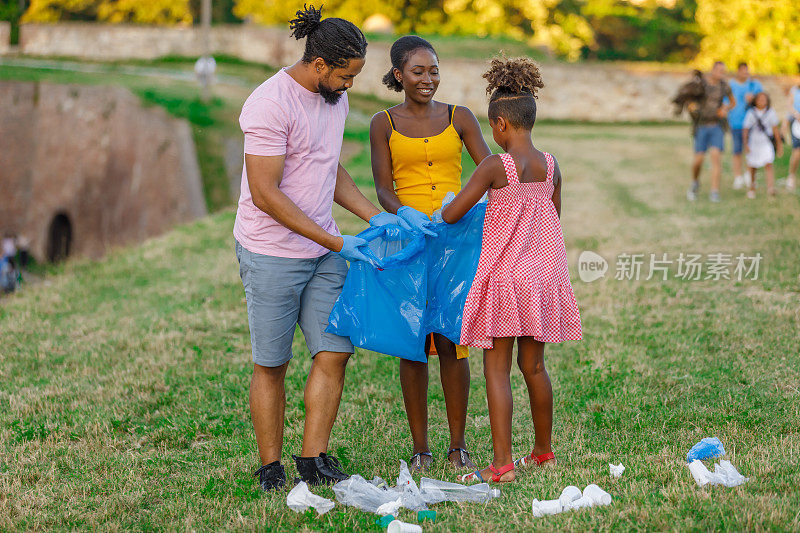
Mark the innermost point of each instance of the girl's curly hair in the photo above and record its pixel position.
(512, 86)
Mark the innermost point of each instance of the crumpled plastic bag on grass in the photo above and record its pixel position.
(300, 498)
(436, 491)
(724, 474)
(707, 448)
(383, 310)
(360, 493)
(412, 498)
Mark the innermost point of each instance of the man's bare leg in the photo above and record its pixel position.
(267, 407)
(716, 168)
(697, 166)
(322, 396)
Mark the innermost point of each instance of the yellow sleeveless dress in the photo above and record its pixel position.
(424, 170)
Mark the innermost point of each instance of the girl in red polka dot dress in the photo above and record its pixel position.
(521, 289)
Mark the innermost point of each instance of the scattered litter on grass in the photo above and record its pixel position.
(435, 491)
(707, 448)
(412, 499)
(616, 470)
(380, 482)
(390, 508)
(569, 495)
(360, 493)
(571, 498)
(300, 498)
(597, 495)
(396, 526)
(724, 474)
(546, 507)
(384, 521)
(377, 497)
(426, 515)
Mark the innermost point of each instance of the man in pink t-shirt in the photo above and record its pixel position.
(292, 258)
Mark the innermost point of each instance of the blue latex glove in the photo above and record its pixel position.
(356, 249)
(417, 220)
(384, 219)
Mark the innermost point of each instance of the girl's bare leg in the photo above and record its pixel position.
(530, 358)
(497, 370)
(769, 171)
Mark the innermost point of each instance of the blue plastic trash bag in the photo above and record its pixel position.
(706, 449)
(383, 310)
(452, 262)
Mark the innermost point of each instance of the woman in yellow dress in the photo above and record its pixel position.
(416, 160)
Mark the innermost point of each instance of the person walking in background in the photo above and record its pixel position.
(793, 122)
(762, 141)
(744, 88)
(416, 160)
(711, 112)
(521, 292)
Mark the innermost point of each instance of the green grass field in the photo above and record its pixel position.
(123, 382)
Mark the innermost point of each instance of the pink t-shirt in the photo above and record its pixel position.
(282, 117)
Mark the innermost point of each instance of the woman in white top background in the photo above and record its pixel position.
(761, 139)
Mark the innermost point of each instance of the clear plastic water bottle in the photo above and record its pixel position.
(435, 491)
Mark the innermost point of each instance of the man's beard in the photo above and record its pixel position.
(330, 96)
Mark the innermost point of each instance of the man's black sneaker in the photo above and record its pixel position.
(319, 470)
(271, 476)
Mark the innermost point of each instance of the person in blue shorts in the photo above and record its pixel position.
(711, 113)
(744, 89)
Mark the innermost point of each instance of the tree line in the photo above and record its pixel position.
(765, 33)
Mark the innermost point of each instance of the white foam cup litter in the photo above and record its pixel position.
(569, 495)
(396, 526)
(597, 495)
(550, 507)
(616, 470)
(581, 503)
(537, 513)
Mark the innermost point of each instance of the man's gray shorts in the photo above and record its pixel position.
(283, 292)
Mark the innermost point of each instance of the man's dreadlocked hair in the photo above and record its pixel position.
(512, 85)
(335, 40)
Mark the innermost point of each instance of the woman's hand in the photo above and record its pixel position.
(417, 220)
(384, 219)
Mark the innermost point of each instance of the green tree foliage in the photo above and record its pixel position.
(113, 11)
(764, 33)
(651, 30)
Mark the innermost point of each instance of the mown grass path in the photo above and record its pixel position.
(123, 383)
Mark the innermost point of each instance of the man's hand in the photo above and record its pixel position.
(722, 112)
(356, 249)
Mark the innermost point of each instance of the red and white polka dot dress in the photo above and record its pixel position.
(521, 287)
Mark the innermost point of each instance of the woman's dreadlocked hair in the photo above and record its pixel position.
(512, 85)
(335, 40)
